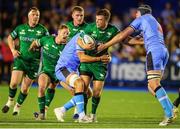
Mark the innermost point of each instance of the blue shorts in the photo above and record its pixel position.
(62, 73)
(156, 59)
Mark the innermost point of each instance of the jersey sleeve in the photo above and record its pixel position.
(46, 32)
(136, 24)
(14, 33)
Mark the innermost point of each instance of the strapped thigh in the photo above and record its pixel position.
(151, 76)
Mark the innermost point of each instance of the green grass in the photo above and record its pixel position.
(118, 109)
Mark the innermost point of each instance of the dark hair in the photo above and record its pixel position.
(145, 9)
(77, 8)
(104, 12)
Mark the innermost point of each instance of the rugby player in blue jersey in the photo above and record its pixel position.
(67, 71)
(157, 55)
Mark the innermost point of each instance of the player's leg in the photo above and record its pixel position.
(26, 83)
(177, 100)
(87, 93)
(49, 95)
(72, 79)
(176, 104)
(97, 91)
(156, 62)
(43, 82)
(16, 78)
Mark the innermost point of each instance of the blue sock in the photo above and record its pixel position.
(71, 103)
(79, 100)
(164, 101)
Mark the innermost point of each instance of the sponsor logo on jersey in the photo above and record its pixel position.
(75, 29)
(30, 30)
(22, 32)
(55, 47)
(38, 32)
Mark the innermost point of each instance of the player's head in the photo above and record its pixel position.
(33, 16)
(143, 9)
(63, 32)
(78, 15)
(102, 18)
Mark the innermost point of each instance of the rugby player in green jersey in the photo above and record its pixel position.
(26, 63)
(102, 32)
(77, 24)
(52, 48)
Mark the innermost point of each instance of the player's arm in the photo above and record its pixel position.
(117, 39)
(135, 41)
(88, 46)
(67, 87)
(11, 45)
(86, 58)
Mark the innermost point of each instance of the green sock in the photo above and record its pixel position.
(21, 98)
(12, 92)
(41, 102)
(95, 102)
(85, 102)
(49, 96)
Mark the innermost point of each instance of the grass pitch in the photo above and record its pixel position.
(117, 109)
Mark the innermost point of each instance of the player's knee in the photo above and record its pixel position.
(153, 84)
(24, 90)
(42, 89)
(79, 85)
(13, 84)
(96, 93)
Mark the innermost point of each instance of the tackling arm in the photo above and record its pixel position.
(117, 39)
(86, 58)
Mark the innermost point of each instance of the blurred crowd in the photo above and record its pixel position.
(55, 12)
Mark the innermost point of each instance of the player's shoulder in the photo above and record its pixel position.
(21, 26)
(69, 23)
(47, 37)
(41, 26)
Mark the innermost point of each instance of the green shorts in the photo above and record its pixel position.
(97, 70)
(30, 67)
(51, 74)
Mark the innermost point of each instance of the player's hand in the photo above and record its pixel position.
(89, 46)
(15, 53)
(101, 47)
(105, 59)
(33, 46)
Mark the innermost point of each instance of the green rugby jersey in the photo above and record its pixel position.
(75, 29)
(101, 36)
(26, 35)
(51, 52)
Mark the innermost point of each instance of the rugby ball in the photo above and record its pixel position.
(87, 39)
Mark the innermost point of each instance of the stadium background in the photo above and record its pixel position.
(127, 66)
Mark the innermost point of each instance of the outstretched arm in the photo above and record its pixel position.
(117, 39)
(136, 41)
